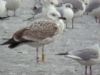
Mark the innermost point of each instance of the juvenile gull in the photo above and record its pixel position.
(13, 5)
(94, 9)
(41, 32)
(88, 56)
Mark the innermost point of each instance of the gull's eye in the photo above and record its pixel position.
(34, 8)
(52, 3)
(53, 14)
(68, 6)
(75, 8)
(58, 5)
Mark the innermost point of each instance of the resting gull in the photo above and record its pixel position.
(88, 56)
(66, 11)
(78, 7)
(94, 9)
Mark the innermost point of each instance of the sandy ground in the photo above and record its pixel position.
(21, 60)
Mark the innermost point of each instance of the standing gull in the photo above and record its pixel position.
(41, 32)
(13, 5)
(78, 6)
(88, 56)
(67, 11)
(94, 9)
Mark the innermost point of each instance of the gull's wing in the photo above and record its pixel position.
(37, 31)
(86, 54)
(93, 5)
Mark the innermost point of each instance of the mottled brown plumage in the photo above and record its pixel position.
(37, 31)
(43, 30)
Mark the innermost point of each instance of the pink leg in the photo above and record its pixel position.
(37, 56)
(43, 54)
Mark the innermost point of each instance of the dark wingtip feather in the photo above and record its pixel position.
(11, 43)
(66, 53)
(7, 42)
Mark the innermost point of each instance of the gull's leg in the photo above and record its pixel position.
(90, 70)
(43, 54)
(72, 23)
(96, 19)
(66, 24)
(7, 12)
(37, 55)
(86, 70)
(86, 13)
(14, 12)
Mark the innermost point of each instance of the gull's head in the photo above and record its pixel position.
(37, 6)
(86, 2)
(54, 2)
(55, 15)
(68, 5)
